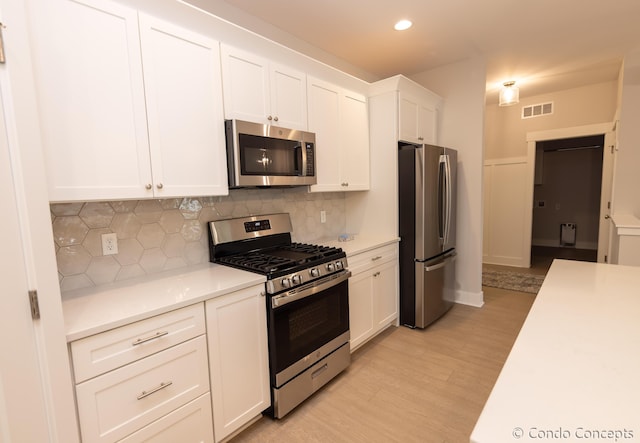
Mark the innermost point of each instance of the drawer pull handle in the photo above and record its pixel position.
(376, 258)
(162, 385)
(153, 337)
(319, 371)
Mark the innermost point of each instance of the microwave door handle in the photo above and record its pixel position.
(302, 155)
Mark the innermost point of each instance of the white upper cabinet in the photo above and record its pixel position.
(418, 120)
(88, 74)
(355, 136)
(184, 110)
(107, 123)
(340, 120)
(259, 91)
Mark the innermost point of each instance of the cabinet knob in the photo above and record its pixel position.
(420, 138)
(269, 118)
(275, 118)
(159, 186)
(345, 184)
(148, 186)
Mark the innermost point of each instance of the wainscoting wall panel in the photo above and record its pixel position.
(506, 203)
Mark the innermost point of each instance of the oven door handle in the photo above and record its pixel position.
(309, 289)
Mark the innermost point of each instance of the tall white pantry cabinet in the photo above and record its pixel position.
(131, 106)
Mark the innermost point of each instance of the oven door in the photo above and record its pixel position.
(306, 325)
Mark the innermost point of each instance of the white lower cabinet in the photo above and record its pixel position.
(122, 401)
(145, 381)
(238, 358)
(373, 293)
(168, 379)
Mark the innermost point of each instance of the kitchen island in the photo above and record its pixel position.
(573, 374)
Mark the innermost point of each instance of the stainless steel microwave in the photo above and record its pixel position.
(266, 155)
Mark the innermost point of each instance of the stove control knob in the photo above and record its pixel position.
(331, 267)
(339, 265)
(296, 279)
(314, 272)
(286, 283)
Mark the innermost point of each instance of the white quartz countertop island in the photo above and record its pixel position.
(573, 374)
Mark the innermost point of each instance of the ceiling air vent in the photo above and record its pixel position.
(537, 110)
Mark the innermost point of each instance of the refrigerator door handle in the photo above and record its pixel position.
(448, 259)
(444, 199)
(445, 170)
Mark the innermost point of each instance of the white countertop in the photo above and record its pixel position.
(93, 310)
(626, 224)
(574, 369)
(360, 243)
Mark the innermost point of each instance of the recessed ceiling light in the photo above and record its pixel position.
(402, 25)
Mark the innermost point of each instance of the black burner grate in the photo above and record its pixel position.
(281, 258)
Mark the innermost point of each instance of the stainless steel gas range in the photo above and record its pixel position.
(307, 300)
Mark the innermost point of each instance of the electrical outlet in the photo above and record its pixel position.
(323, 216)
(109, 244)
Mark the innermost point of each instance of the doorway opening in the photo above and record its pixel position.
(567, 199)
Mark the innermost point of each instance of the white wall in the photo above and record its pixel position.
(506, 132)
(462, 86)
(626, 180)
(506, 139)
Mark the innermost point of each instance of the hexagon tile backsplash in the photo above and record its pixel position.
(159, 235)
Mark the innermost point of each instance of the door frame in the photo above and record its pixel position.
(605, 129)
(53, 388)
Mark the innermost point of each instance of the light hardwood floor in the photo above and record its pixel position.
(426, 386)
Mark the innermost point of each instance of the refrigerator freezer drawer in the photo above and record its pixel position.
(435, 282)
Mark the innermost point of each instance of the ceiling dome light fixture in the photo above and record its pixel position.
(403, 25)
(509, 94)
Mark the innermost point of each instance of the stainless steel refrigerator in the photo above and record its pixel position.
(427, 224)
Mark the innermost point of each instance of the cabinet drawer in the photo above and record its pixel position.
(189, 424)
(103, 352)
(122, 401)
(374, 257)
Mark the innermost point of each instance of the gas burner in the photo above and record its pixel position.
(259, 262)
(263, 244)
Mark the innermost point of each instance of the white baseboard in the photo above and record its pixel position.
(475, 299)
(556, 244)
(518, 262)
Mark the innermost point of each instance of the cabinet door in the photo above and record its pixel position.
(246, 85)
(355, 143)
(288, 97)
(184, 105)
(418, 120)
(340, 120)
(88, 75)
(238, 360)
(324, 121)
(385, 284)
(361, 325)
(408, 119)
(427, 124)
